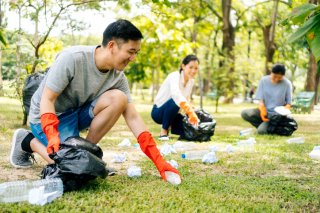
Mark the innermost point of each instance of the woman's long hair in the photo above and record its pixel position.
(187, 59)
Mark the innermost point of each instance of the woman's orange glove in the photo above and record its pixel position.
(263, 113)
(148, 146)
(49, 125)
(193, 118)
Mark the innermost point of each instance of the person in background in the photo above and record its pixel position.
(173, 95)
(273, 90)
(86, 88)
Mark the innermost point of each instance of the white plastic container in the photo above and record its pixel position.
(245, 132)
(19, 191)
(172, 178)
(194, 155)
(298, 140)
(315, 153)
(246, 145)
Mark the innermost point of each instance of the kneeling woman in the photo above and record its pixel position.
(174, 94)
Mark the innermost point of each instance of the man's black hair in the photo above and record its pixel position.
(278, 69)
(121, 30)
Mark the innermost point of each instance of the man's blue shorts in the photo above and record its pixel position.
(71, 123)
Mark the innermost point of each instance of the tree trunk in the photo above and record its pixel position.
(312, 81)
(311, 74)
(268, 35)
(1, 80)
(196, 20)
(228, 44)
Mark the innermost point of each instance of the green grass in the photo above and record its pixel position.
(276, 177)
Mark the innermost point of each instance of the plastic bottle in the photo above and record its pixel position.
(193, 155)
(172, 178)
(247, 145)
(248, 131)
(180, 146)
(19, 191)
(315, 153)
(297, 140)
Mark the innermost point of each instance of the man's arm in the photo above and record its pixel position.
(134, 120)
(49, 120)
(48, 99)
(263, 111)
(145, 140)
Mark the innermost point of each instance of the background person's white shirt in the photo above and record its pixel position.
(172, 87)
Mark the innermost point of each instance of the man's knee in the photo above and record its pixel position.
(244, 114)
(262, 128)
(115, 98)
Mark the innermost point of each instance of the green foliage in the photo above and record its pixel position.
(299, 14)
(310, 24)
(309, 16)
(2, 37)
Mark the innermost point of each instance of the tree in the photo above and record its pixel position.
(309, 16)
(2, 40)
(51, 11)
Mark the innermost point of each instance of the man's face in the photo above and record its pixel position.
(125, 52)
(276, 78)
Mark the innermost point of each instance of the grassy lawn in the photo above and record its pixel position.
(276, 177)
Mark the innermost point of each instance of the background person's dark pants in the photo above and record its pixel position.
(168, 115)
(253, 117)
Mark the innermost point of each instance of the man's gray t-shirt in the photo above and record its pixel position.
(274, 95)
(76, 78)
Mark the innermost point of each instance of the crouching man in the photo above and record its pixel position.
(273, 90)
(86, 88)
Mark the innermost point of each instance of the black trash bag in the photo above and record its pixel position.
(203, 132)
(281, 125)
(75, 164)
(31, 84)
(81, 143)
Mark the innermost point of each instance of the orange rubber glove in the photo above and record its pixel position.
(148, 146)
(287, 106)
(193, 118)
(263, 113)
(49, 125)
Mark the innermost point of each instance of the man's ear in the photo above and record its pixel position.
(111, 44)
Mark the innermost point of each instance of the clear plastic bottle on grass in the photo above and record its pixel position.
(194, 155)
(248, 131)
(298, 140)
(172, 178)
(36, 192)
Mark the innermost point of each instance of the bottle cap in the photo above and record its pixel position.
(183, 156)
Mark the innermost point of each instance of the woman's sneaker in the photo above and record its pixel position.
(164, 138)
(18, 157)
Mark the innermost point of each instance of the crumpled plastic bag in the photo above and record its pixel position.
(134, 171)
(203, 131)
(125, 143)
(119, 158)
(75, 165)
(173, 163)
(167, 149)
(230, 148)
(214, 148)
(315, 153)
(210, 158)
(184, 146)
